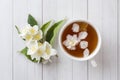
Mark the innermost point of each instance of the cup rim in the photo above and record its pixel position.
(77, 58)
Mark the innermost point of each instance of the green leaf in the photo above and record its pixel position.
(45, 26)
(17, 29)
(31, 20)
(24, 52)
(41, 59)
(52, 32)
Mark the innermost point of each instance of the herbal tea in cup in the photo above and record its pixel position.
(79, 40)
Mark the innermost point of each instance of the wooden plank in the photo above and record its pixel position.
(118, 48)
(64, 64)
(65, 68)
(20, 62)
(49, 13)
(95, 17)
(80, 12)
(35, 9)
(6, 40)
(109, 35)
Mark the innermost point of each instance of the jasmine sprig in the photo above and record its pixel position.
(49, 35)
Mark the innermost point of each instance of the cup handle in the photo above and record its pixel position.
(93, 63)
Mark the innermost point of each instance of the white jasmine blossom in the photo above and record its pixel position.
(38, 35)
(25, 30)
(83, 44)
(35, 49)
(71, 42)
(33, 30)
(32, 47)
(49, 51)
(38, 50)
(75, 27)
(31, 33)
(86, 52)
(82, 35)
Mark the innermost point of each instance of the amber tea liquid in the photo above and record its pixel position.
(92, 38)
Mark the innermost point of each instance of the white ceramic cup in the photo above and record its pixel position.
(83, 58)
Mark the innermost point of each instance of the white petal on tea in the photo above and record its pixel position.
(83, 44)
(75, 27)
(73, 48)
(86, 52)
(69, 36)
(82, 35)
(75, 37)
(71, 41)
(93, 62)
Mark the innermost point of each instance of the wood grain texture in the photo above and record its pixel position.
(49, 13)
(104, 14)
(109, 31)
(35, 9)
(118, 39)
(80, 11)
(64, 64)
(95, 17)
(28, 69)
(19, 61)
(6, 40)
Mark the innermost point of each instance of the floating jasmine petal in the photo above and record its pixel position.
(86, 52)
(82, 35)
(73, 48)
(83, 44)
(69, 36)
(75, 27)
(71, 42)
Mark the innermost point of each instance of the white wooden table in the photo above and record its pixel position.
(105, 14)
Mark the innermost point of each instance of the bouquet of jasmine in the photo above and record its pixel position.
(39, 40)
